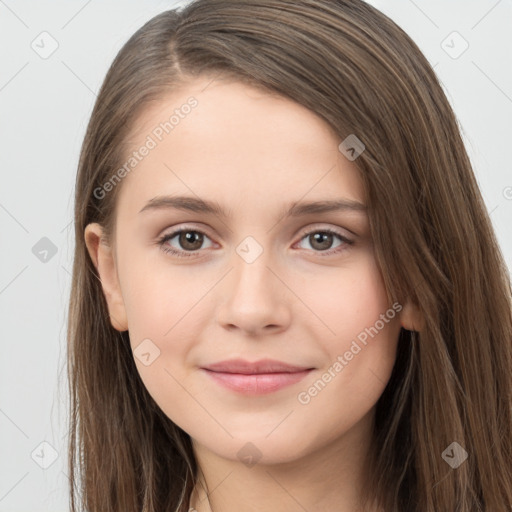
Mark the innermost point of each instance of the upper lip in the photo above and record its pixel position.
(262, 366)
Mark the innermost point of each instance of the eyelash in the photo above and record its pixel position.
(188, 254)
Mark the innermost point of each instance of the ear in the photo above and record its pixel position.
(103, 258)
(412, 318)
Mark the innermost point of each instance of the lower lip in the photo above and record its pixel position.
(257, 384)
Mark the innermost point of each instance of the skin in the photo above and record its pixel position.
(253, 153)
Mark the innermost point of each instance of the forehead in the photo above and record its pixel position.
(233, 143)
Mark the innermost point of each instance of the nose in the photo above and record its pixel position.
(254, 297)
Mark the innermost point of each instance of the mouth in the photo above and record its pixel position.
(261, 377)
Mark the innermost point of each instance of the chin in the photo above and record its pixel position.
(252, 447)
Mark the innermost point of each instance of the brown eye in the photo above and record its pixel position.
(321, 241)
(190, 240)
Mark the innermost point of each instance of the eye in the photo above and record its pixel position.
(321, 241)
(190, 239)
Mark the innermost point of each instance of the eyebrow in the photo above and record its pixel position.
(295, 209)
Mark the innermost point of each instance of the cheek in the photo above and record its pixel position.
(359, 348)
(164, 325)
(346, 389)
(350, 301)
(157, 297)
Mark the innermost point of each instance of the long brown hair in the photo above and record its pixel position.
(434, 243)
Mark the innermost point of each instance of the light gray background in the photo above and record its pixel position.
(45, 105)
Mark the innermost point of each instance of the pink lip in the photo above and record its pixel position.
(260, 377)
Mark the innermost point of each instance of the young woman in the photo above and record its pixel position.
(287, 293)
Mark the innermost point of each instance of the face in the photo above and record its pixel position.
(264, 279)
